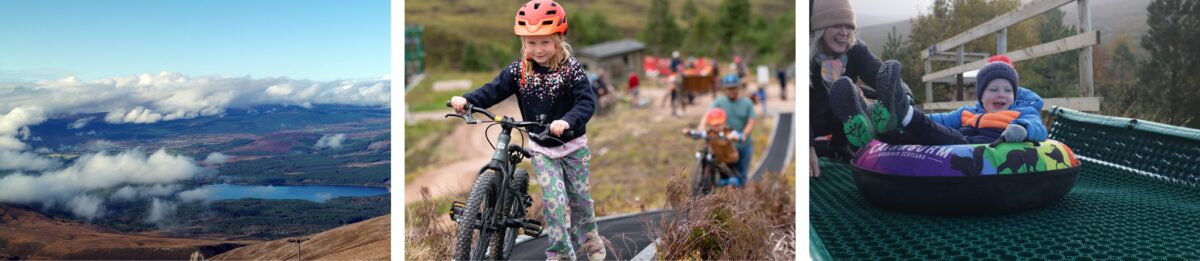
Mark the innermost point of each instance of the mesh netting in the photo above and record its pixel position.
(1110, 214)
(1113, 212)
(1149, 147)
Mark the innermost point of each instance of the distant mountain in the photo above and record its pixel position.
(865, 20)
(876, 35)
(367, 240)
(28, 234)
(1110, 17)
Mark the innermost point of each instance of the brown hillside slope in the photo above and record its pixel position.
(27, 234)
(367, 240)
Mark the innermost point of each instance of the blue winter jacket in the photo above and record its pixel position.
(1027, 102)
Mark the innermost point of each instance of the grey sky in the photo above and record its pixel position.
(882, 11)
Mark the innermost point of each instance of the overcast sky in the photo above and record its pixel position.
(879, 11)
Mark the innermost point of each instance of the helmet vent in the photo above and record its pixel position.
(520, 22)
(536, 5)
(547, 22)
(551, 12)
(552, 4)
(521, 13)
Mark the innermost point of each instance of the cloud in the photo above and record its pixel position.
(331, 141)
(16, 123)
(216, 158)
(16, 160)
(93, 172)
(80, 123)
(323, 196)
(139, 114)
(125, 193)
(160, 210)
(149, 98)
(150, 175)
(86, 206)
(130, 192)
(197, 194)
(101, 145)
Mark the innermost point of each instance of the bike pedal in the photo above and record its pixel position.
(532, 228)
(456, 209)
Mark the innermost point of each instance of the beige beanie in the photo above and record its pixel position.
(826, 13)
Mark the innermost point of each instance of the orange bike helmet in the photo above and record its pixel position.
(715, 116)
(540, 17)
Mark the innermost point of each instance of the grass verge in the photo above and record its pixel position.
(423, 98)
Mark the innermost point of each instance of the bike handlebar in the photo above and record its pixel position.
(545, 134)
(695, 134)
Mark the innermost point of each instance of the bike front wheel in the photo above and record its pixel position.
(502, 243)
(471, 221)
(703, 180)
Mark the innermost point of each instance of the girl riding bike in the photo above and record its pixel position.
(720, 140)
(547, 80)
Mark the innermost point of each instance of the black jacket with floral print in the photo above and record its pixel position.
(564, 94)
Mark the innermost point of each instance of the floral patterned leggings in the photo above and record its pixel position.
(567, 206)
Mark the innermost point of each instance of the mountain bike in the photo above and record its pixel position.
(495, 208)
(709, 170)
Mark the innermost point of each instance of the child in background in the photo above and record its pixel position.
(723, 149)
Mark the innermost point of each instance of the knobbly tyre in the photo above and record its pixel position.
(710, 168)
(496, 206)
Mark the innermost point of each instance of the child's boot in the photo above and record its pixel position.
(893, 98)
(850, 107)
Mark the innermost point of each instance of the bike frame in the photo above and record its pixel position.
(498, 218)
(504, 166)
(705, 158)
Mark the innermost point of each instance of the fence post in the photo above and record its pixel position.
(929, 84)
(1087, 87)
(1002, 42)
(959, 77)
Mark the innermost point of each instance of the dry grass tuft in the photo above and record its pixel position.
(730, 224)
(430, 233)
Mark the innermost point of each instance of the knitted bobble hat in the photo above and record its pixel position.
(826, 13)
(997, 67)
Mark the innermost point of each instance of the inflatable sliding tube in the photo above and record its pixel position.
(973, 179)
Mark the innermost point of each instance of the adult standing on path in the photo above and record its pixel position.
(740, 116)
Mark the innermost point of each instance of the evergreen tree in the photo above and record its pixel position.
(690, 12)
(733, 21)
(592, 28)
(1056, 75)
(700, 37)
(1168, 80)
(661, 32)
